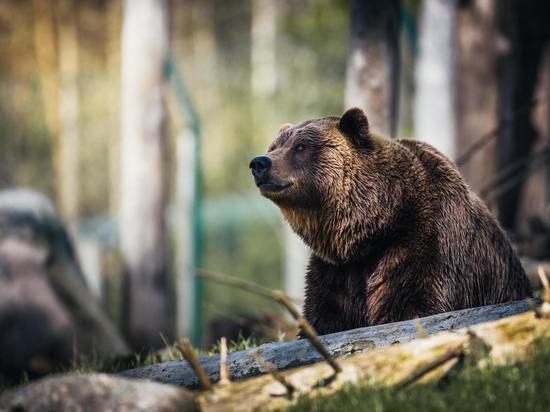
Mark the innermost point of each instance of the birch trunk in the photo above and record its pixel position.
(434, 102)
(145, 47)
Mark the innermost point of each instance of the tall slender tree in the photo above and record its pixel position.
(373, 63)
(434, 116)
(145, 48)
(68, 148)
(524, 28)
(476, 91)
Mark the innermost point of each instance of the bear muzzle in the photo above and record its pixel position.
(267, 183)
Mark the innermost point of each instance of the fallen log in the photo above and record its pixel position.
(288, 355)
(499, 342)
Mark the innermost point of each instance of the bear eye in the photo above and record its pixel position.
(299, 147)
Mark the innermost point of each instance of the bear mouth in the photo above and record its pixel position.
(266, 187)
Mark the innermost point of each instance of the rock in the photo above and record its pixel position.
(94, 393)
(48, 318)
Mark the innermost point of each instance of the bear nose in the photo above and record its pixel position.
(260, 166)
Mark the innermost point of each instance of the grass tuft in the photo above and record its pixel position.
(519, 387)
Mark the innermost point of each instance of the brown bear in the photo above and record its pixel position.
(395, 231)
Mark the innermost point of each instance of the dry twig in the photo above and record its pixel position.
(269, 368)
(187, 351)
(283, 300)
(168, 347)
(532, 304)
(545, 284)
(436, 363)
(420, 329)
(224, 370)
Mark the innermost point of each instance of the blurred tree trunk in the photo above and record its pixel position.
(145, 48)
(67, 152)
(113, 17)
(477, 90)
(372, 79)
(534, 208)
(46, 59)
(525, 30)
(435, 83)
(263, 36)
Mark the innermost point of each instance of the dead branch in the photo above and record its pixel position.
(283, 300)
(187, 351)
(290, 388)
(224, 371)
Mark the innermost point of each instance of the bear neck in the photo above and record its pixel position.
(360, 213)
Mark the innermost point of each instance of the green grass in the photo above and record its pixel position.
(170, 353)
(96, 365)
(520, 387)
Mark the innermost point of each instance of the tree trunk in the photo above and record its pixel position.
(526, 33)
(477, 90)
(145, 47)
(372, 76)
(46, 59)
(113, 17)
(296, 260)
(435, 86)
(263, 35)
(67, 158)
(185, 193)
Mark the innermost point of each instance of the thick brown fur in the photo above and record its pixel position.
(395, 231)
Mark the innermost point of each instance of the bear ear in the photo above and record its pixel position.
(284, 127)
(355, 125)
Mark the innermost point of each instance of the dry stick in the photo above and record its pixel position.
(269, 368)
(224, 371)
(282, 299)
(187, 352)
(451, 354)
(535, 308)
(487, 137)
(510, 171)
(545, 284)
(420, 329)
(167, 346)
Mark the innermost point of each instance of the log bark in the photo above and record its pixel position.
(298, 353)
(501, 342)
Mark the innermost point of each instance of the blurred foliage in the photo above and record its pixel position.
(311, 49)
(212, 43)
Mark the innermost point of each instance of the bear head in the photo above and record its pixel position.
(324, 175)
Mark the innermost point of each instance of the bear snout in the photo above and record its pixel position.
(259, 166)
